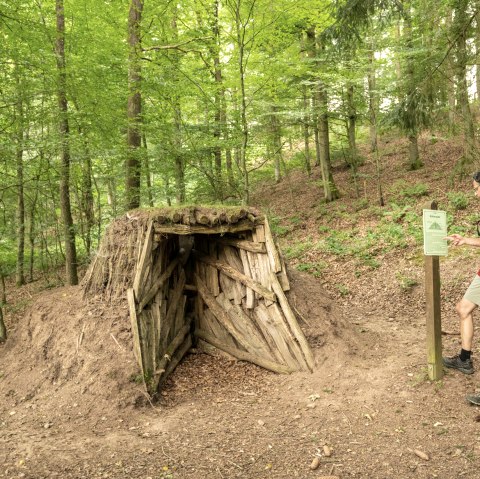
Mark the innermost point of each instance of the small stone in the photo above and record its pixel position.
(327, 451)
(315, 463)
(261, 423)
(311, 406)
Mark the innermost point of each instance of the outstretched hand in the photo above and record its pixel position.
(456, 239)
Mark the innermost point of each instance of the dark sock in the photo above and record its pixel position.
(464, 354)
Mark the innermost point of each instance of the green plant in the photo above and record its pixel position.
(405, 282)
(298, 249)
(342, 289)
(315, 269)
(415, 191)
(458, 199)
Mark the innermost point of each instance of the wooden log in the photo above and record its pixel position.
(157, 283)
(147, 342)
(235, 275)
(283, 276)
(172, 347)
(250, 301)
(292, 322)
(246, 326)
(245, 356)
(259, 234)
(174, 299)
(177, 357)
(242, 244)
(216, 329)
(212, 272)
(180, 314)
(213, 351)
(230, 288)
(220, 314)
(144, 263)
(137, 350)
(179, 229)
(231, 257)
(281, 325)
(272, 251)
(274, 332)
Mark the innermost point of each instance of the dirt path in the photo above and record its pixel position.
(69, 411)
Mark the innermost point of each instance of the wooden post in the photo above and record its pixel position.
(434, 319)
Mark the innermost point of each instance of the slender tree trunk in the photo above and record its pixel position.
(69, 231)
(477, 49)
(451, 96)
(180, 192)
(352, 123)
(414, 155)
(276, 141)
(148, 174)
(240, 37)
(3, 329)
(20, 126)
(460, 29)
(134, 109)
(372, 100)
(306, 129)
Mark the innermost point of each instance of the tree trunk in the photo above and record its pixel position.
(134, 109)
(20, 127)
(69, 231)
(351, 124)
(148, 176)
(3, 329)
(306, 130)
(240, 37)
(451, 97)
(460, 31)
(477, 49)
(372, 100)
(412, 129)
(276, 141)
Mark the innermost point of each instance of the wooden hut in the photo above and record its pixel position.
(210, 277)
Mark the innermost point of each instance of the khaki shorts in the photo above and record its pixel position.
(473, 291)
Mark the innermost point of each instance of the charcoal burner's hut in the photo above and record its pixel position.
(206, 276)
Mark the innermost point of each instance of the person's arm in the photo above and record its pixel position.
(459, 240)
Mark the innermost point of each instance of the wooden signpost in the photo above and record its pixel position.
(432, 291)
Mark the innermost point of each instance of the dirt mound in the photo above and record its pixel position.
(72, 353)
(67, 353)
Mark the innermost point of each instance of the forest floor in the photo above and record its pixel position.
(70, 406)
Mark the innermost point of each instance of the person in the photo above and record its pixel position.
(465, 308)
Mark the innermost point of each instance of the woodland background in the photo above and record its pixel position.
(110, 105)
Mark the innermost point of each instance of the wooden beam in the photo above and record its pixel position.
(137, 350)
(179, 229)
(158, 283)
(292, 321)
(237, 276)
(172, 347)
(144, 262)
(272, 251)
(243, 355)
(243, 244)
(219, 313)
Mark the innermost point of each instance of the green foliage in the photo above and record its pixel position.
(458, 199)
(405, 282)
(297, 250)
(315, 269)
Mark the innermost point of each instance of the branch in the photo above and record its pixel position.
(174, 47)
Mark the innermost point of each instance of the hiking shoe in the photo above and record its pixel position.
(473, 399)
(466, 367)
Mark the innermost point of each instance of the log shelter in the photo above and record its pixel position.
(206, 277)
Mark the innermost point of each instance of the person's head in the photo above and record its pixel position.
(476, 183)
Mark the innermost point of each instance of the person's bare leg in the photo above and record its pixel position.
(465, 309)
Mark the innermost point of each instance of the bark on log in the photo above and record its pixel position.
(272, 251)
(292, 322)
(179, 229)
(244, 356)
(235, 275)
(144, 263)
(243, 244)
(137, 350)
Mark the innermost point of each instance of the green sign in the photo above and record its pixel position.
(434, 232)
